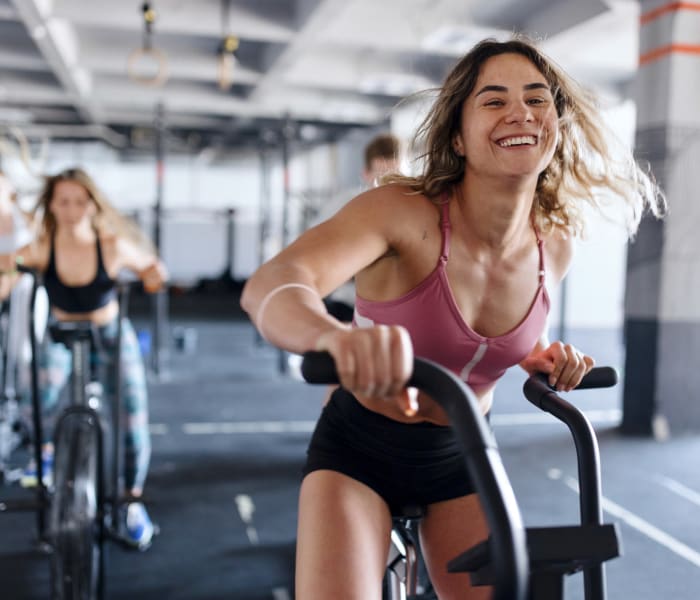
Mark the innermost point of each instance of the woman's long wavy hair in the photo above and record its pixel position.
(583, 164)
(108, 220)
(5, 181)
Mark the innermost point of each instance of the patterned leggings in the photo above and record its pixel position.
(55, 368)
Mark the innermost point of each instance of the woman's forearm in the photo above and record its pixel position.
(286, 307)
(7, 282)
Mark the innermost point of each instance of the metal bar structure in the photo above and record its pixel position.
(287, 134)
(159, 348)
(230, 244)
(263, 211)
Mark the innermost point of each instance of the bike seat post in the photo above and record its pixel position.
(79, 338)
(405, 565)
(406, 557)
(80, 348)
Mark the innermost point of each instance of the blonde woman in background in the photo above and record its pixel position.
(81, 246)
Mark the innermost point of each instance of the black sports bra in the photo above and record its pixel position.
(79, 298)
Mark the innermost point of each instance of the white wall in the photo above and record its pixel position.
(596, 281)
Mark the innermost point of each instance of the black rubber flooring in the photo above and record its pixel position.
(229, 437)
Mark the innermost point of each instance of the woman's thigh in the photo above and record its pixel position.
(342, 539)
(55, 365)
(448, 529)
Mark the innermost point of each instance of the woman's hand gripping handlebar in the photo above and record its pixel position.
(537, 389)
(508, 544)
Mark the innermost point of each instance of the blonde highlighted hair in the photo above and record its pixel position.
(583, 165)
(107, 221)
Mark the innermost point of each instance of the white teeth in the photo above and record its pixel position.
(518, 141)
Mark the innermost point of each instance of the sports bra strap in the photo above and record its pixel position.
(540, 248)
(445, 227)
(100, 260)
(52, 260)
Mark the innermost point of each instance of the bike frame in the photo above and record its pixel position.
(86, 410)
(517, 563)
(82, 415)
(40, 502)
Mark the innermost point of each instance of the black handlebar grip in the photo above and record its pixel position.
(22, 269)
(599, 377)
(537, 388)
(319, 367)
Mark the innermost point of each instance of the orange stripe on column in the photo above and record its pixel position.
(657, 53)
(667, 8)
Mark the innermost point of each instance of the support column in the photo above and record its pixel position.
(662, 306)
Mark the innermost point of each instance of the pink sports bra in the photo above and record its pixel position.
(430, 314)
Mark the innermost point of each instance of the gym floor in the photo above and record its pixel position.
(229, 437)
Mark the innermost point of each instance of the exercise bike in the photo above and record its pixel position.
(14, 362)
(88, 497)
(85, 502)
(518, 563)
(40, 500)
(10, 425)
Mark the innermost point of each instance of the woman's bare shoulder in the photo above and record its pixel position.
(391, 202)
(559, 251)
(36, 253)
(109, 240)
(373, 224)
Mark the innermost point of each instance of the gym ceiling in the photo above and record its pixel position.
(240, 72)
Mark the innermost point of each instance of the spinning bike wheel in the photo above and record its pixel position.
(75, 525)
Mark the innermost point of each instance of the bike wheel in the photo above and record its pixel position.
(74, 522)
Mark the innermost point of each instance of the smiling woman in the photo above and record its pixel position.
(517, 123)
(463, 279)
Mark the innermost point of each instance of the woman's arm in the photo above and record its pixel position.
(293, 317)
(8, 277)
(283, 297)
(31, 256)
(564, 364)
(146, 265)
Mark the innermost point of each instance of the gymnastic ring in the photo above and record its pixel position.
(161, 61)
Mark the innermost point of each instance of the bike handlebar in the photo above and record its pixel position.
(537, 388)
(22, 269)
(508, 542)
(538, 391)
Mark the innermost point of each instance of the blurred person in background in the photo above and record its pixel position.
(381, 158)
(82, 245)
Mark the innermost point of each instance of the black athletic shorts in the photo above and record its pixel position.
(406, 464)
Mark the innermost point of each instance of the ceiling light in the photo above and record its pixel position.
(394, 84)
(457, 39)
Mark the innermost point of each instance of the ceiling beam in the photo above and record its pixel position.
(58, 44)
(318, 14)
